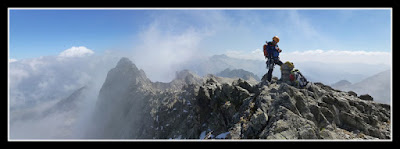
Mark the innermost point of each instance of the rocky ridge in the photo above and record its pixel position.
(130, 106)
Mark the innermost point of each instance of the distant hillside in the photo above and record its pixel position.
(330, 73)
(239, 73)
(378, 86)
(327, 73)
(341, 83)
(55, 119)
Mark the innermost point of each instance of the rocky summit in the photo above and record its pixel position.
(130, 106)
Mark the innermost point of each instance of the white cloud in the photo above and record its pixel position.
(48, 77)
(162, 50)
(340, 56)
(12, 60)
(37, 81)
(76, 52)
(253, 55)
(325, 56)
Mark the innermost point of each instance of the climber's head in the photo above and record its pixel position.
(275, 39)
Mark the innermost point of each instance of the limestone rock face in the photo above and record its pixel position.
(211, 107)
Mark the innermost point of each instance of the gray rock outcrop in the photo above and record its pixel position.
(191, 107)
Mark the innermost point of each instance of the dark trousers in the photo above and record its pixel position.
(269, 74)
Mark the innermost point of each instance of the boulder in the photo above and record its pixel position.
(351, 93)
(366, 97)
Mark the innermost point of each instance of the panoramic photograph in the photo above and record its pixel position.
(200, 74)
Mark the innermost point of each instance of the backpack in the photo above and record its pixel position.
(265, 50)
(298, 78)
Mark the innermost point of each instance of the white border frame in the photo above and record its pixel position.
(193, 140)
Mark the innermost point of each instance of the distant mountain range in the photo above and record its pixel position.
(378, 86)
(218, 63)
(327, 73)
(238, 73)
(338, 75)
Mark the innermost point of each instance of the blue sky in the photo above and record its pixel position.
(35, 32)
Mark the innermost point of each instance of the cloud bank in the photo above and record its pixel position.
(46, 80)
(164, 45)
(53, 77)
(12, 60)
(323, 56)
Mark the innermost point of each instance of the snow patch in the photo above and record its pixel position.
(222, 135)
(202, 135)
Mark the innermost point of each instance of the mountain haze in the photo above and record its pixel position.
(56, 119)
(239, 73)
(327, 73)
(378, 86)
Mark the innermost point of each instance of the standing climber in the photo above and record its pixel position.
(271, 51)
